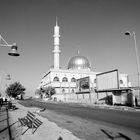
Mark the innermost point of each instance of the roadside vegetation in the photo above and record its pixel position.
(15, 90)
(46, 92)
(32, 103)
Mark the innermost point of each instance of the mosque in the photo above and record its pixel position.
(65, 80)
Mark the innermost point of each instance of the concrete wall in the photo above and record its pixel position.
(69, 97)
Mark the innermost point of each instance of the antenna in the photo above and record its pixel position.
(78, 52)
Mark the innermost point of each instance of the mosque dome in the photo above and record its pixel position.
(79, 63)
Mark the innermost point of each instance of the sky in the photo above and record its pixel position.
(94, 27)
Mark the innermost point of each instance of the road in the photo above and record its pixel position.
(128, 119)
(88, 122)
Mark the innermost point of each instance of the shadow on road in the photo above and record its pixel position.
(116, 136)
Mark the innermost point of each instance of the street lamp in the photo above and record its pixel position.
(13, 47)
(137, 58)
(13, 51)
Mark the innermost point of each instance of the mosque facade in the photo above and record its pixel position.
(65, 80)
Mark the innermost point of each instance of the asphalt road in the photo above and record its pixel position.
(118, 118)
(127, 119)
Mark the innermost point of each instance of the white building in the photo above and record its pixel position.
(64, 80)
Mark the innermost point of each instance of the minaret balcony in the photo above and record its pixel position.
(56, 51)
(56, 35)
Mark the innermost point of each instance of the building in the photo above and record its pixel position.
(64, 80)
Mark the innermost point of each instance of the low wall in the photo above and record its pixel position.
(73, 97)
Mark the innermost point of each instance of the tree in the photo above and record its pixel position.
(38, 92)
(15, 89)
(49, 91)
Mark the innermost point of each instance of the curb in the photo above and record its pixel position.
(98, 106)
(116, 108)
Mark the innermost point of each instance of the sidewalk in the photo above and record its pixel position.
(125, 108)
(4, 124)
(47, 131)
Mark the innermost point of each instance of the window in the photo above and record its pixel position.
(121, 81)
(95, 81)
(72, 91)
(56, 79)
(73, 79)
(63, 90)
(65, 79)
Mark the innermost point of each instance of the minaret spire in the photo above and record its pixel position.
(56, 50)
(56, 22)
(78, 52)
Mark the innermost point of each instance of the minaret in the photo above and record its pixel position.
(56, 50)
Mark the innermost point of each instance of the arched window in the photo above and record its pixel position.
(121, 81)
(73, 79)
(63, 90)
(72, 91)
(55, 79)
(91, 88)
(65, 79)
